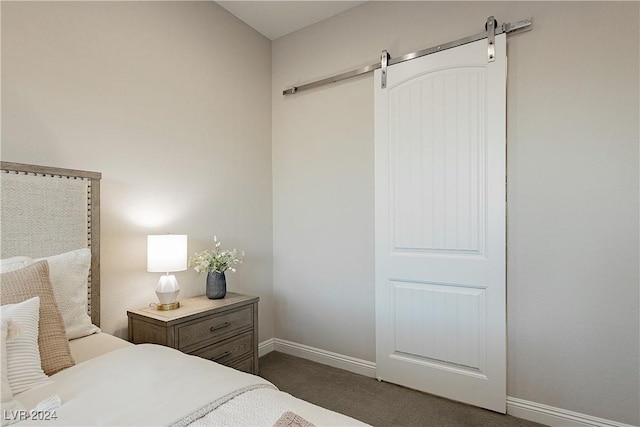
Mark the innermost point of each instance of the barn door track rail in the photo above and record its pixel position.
(492, 29)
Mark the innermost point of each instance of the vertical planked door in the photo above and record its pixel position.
(440, 169)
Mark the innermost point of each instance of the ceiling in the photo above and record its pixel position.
(275, 19)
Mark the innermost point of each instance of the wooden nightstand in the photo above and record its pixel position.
(223, 330)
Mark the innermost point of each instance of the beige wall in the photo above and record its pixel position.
(171, 102)
(573, 303)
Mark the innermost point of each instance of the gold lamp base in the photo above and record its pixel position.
(165, 307)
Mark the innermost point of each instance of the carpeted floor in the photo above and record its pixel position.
(372, 401)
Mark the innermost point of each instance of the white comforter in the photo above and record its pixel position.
(151, 385)
(264, 406)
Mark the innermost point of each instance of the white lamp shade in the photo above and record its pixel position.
(166, 252)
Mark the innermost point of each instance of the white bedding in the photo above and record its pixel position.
(142, 385)
(264, 406)
(151, 385)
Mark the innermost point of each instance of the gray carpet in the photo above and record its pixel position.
(371, 401)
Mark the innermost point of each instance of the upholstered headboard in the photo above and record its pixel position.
(46, 211)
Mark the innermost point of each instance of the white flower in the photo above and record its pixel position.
(216, 259)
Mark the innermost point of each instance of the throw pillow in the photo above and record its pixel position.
(10, 407)
(23, 367)
(29, 282)
(69, 274)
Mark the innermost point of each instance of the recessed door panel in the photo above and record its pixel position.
(437, 146)
(434, 308)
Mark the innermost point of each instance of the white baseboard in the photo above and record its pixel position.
(519, 408)
(266, 347)
(336, 360)
(555, 417)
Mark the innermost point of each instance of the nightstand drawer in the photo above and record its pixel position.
(245, 365)
(230, 349)
(214, 326)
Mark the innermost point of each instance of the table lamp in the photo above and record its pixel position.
(167, 253)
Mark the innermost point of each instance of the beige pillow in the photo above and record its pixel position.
(33, 281)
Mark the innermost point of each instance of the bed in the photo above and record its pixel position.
(66, 371)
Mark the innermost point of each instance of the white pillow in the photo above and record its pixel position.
(10, 406)
(24, 370)
(69, 274)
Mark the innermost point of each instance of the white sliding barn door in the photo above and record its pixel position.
(440, 167)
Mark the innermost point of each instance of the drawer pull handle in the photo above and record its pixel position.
(215, 328)
(225, 354)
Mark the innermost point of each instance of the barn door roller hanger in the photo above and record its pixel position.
(492, 29)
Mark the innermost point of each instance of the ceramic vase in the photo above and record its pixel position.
(216, 285)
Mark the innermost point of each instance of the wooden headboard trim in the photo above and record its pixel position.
(93, 200)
